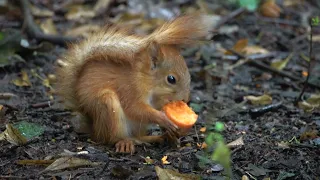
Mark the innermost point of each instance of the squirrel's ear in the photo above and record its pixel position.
(155, 54)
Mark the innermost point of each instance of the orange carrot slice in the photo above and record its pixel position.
(180, 114)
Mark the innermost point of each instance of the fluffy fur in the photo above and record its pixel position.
(118, 79)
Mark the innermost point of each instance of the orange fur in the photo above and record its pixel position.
(119, 80)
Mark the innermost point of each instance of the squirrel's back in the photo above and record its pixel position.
(119, 45)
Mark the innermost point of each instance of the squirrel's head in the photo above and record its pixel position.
(169, 75)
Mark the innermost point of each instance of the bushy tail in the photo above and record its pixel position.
(184, 30)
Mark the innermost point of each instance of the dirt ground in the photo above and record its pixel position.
(280, 140)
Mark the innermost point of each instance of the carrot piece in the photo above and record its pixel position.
(180, 114)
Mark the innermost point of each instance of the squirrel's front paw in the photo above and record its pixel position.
(172, 129)
(125, 146)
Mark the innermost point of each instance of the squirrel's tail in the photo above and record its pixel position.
(184, 30)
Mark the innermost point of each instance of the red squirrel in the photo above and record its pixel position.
(120, 80)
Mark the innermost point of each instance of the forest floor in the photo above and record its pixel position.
(281, 140)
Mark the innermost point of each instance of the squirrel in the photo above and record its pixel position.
(120, 80)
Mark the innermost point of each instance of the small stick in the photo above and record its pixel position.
(309, 67)
(34, 31)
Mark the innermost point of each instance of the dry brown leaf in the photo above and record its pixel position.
(23, 81)
(148, 160)
(70, 162)
(165, 174)
(101, 6)
(164, 160)
(203, 129)
(13, 136)
(270, 9)
(83, 31)
(48, 26)
(202, 145)
(259, 100)
(41, 12)
(78, 12)
(238, 47)
(249, 50)
(35, 162)
(237, 142)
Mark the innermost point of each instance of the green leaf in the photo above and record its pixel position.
(251, 5)
(196, 107)
(29, 130)
(284, 175)
(222, 155)
(219, 126)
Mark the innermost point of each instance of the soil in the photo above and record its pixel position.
(276, 142)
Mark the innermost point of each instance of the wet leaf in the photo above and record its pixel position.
(165, 174)
(69, 162)
(270, 9)
(259, 100)
(314, 100)
(257, 171)
(120, 172)
(23, 81)
(284, 175)
(164, 160)
(35, 162)
(29, 130)
(250, 5)
(13, 136)
(48, 27)
(280, 64)
(237, 142)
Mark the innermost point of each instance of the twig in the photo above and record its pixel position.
(273, 70)
(278, 21)
(232, 15)
(309, 67)
(34, 31)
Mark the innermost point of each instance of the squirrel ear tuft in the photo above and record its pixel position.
(154, 51)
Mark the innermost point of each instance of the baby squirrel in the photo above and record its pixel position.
(121, 81)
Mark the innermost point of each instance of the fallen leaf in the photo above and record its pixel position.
(304, 73)
(237, 142)
(101, 6)
(202, 145)
(238, 47)
(23, 81)
(165, 174)
(164, 160)
(259, 100)
(314, 100)
(249, 50)
(79, 12)
(306, 106)
(48, 26)
(29, 130)
(203, 129)
(41, 12)
(250, 5)
(35, 162)
(280, 64)
(69, 162)
(270, 9)
(13, 136)
(83, 31)
(148, 160)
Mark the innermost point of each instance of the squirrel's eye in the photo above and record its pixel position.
(171, 79)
